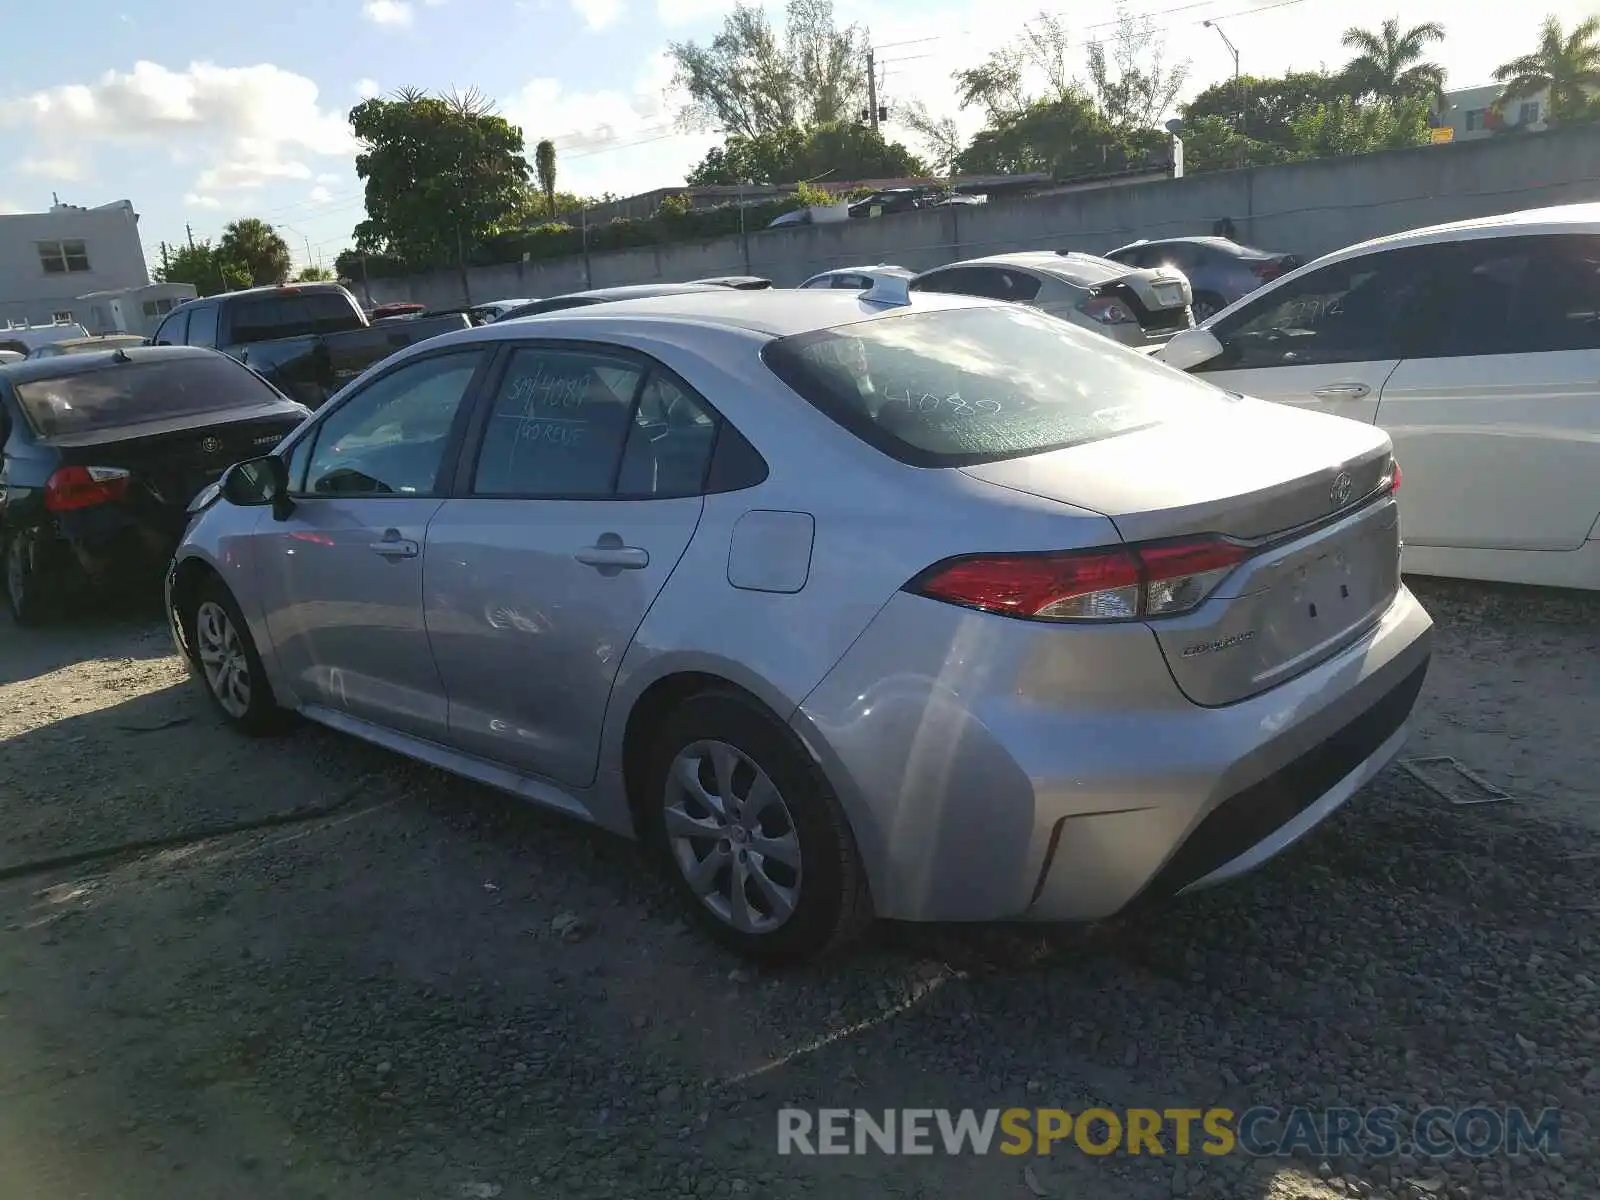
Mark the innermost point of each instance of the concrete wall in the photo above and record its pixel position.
(111, 238)
(1304, 208)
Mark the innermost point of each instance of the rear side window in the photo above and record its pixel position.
(961, 386)
(1524, 295)
(133, 393)
(291, 314)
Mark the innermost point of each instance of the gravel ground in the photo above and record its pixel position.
(324, 971)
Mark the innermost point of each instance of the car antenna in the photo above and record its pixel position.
(120, 355)
(889, 290)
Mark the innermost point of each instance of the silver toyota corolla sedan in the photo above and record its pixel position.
(928, 607)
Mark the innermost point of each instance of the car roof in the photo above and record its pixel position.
(61, 366)
(772, 313)
(866, 268)
(94, 339)
(1085, 270)
(1562, 218)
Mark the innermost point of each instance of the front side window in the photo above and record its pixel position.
(960, 386)
(390, 438)
(558, 424)
(174, 330)
(1358, 310)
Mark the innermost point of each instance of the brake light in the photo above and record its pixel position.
(1394, 477)
(1270, 268)
(73, 488)
(1107, 311)
(1122, 583)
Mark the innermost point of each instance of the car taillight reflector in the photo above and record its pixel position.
(72, 488)
(1394, 478)
(1122, 583)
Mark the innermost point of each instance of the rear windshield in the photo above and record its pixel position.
(133, 393)
(961, 386)
(292, 315)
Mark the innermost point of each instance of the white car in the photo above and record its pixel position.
(1476, 347)
(857, 279)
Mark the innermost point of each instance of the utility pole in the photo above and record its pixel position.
(872, 90)
(188, 230)
(1238, 83)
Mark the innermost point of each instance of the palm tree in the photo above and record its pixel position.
(1566, 64)
(1388, 62)
(544, 164)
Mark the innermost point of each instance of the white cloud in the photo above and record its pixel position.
(195, 200)
(367, 88)
(319, 195)
(62, 169)
(598, 14)
(251, 124)
(9, 206)
(393, 13)
(330, 177)
(610, 140)
(687, 12)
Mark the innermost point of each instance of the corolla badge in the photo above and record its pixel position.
(1226, 643)
(211, 445)
(1339, 493)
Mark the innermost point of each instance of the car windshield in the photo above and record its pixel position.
(133, 393)
(960, 386)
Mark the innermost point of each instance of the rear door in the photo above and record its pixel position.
(579, 497)
(1328, 340)
(1496, 421)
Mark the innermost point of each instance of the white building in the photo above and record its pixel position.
(1470, 112)
(131, 310)
(50, 259)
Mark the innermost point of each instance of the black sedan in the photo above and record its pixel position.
(101, 453)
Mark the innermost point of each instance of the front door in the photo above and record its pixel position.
(583, 497)
(1327, 341)
(341, 577)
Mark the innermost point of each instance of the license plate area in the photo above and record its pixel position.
(1169, 295)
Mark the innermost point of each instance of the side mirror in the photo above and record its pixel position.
(258, 483)
(1190, 349)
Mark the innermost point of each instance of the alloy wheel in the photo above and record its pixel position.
(222, 658)
(1203, 311)
(733, 837)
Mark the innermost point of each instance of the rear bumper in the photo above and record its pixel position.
(109, 545)
(995, 769)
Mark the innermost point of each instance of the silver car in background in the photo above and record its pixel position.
(917, 606)
(857, 279)
(1135, 306)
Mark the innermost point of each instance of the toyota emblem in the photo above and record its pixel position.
(211, 445)
(1339, 493)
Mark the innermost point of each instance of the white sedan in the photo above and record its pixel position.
(1476, 347)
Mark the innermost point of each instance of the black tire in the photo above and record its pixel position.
(261, 715)
(28, 594)
(1206, 305)
(834, 905)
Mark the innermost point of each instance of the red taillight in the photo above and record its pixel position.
(1394, 477)
(72, 488)
(1123, 583)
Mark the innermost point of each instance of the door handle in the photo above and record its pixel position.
(620, 558)
(1342, 391)
(395, 546)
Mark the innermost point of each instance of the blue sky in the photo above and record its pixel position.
(238, 109)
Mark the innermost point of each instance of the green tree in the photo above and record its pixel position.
(1566, 63)
(442, 174)
(752, 80)
(314, 274)
(1058, 137)
(544, 164)
(257, 249)
(842, 152)
(1211, 143)
(1352, 127)
(201, 265)
(1389, 61)
(1267, 105)
(1129, 79)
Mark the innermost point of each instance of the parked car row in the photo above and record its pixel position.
(593, 565)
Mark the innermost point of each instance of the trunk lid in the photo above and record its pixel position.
(171, 461)
(1305, 489)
